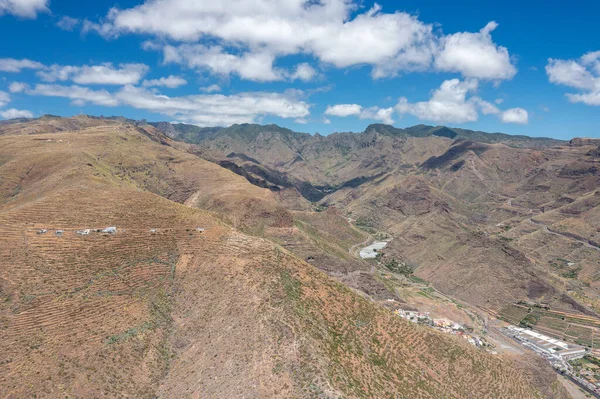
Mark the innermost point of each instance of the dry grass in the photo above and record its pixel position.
(179, 313)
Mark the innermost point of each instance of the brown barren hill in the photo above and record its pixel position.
(162, 308)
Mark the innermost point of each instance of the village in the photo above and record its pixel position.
(107, 230)
(444, 325)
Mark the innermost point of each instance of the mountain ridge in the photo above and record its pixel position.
(413, 131)
(180, 302)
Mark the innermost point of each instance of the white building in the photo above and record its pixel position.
(572, 354)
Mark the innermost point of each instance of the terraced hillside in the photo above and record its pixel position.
(473, 211)
(177, 303)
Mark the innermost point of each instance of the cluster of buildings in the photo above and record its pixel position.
(84, 232)
(444, 325)
(550, 348)
(107, 230)
(561, 355)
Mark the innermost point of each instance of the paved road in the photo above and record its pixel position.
(558, 233)
(573, 388)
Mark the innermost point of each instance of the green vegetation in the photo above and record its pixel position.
(531, 319)
(416, 279)
(365, 226)
(573, 273)
(400, 268)
(593, 360)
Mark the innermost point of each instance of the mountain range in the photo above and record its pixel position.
(234, 270)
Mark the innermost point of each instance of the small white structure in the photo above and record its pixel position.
(41, 231)
(110, 230)
(572, 354)
(153, 231)
(200, 229)
(59, 233)
(85, 232)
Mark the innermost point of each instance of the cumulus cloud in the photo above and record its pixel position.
(475, 55)
(451, 103)
(202, 110)
(17, 87)
(23, 8)
(256, 66)
(343, 110)
(12, 65)
(170, 82)
(582, 74)
(211, 89)
(4, 98)
(515, 115)
(373, 113)
(247, 37)
(15, 113)
(383, 115)
(303, 72)
(104, 74)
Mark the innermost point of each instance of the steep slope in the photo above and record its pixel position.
(161, 309)
(483, 137)
(442, 192)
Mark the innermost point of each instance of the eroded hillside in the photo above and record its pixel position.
(469, 209)
(178, 303)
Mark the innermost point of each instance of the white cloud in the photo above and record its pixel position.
(582, 74)
(203, 110)
(486, 107)
(515, 115)
(12, 65)
(79, 95)
(247, 37)
(303, 72)
(326, 121)
(217, 109)
(23, 8)
(256, 66)
(17, 87)
(383, 115)
(4, 98)
(68, 23)
(570, 73)
(375, 113)
(475, 55)
(170, 82)
(211, 89)
(382, 40)
(15, 113)
(105, 74)
(343, 110)
(449, 103)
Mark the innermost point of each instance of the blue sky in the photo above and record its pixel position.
(314, 66)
